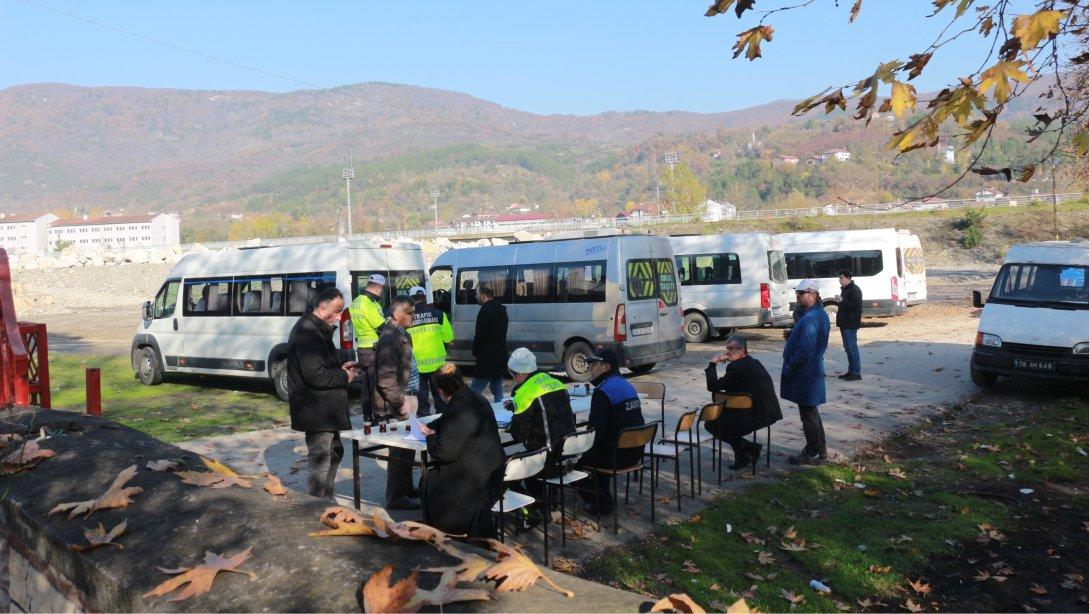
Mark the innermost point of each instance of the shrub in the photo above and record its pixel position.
(972, 237)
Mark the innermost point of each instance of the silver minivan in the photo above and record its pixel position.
(731, 281)
(568, 298)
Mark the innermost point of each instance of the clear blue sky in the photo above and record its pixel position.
(577, 57)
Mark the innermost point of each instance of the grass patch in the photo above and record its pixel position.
(869, 528)
(183, 407)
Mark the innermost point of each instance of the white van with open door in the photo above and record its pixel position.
(1035, 323)
(230, 313)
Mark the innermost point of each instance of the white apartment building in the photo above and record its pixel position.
(25, 233)
(117, 231)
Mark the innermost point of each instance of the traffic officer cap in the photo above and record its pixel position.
(377, 278)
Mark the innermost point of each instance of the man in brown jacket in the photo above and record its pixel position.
(397, 381)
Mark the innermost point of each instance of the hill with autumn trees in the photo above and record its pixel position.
(237, 164)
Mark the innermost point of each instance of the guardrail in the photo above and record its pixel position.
(602, 223)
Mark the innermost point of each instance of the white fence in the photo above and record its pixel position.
(598, 223)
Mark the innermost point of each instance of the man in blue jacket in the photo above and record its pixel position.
(802, 379)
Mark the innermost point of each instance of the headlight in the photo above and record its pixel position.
(1082, 348)
(988, 339)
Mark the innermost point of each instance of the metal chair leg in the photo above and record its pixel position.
(652, 493)
(563, 515)
(502, 521)
(627, 486)
(699, 469)
(597, 502)
(616, 516)
(547, 512)
(677, 473)
(769, 447)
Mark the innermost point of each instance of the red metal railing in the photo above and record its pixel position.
(24, 351)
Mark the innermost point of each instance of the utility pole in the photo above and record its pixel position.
(348, 175)
(435, 206)
(671, 159)
(1054, 202)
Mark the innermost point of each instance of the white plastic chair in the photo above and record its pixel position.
(520, 467)
(574, 446)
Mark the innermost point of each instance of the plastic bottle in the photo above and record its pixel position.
(819, 586)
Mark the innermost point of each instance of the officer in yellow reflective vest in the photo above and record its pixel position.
(533, 392)
(431, 335)
(367, 318)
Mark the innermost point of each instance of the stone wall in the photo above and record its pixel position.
(172, 524)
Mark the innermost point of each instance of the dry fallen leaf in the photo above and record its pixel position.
(691, 567)
(880, 569)
(911, 606)
(765, 558)
(791, 596)
(115, 496)
(470, 567)
(739, 607)
(343, 521)
(28, 455)
(405, 596)
(200, 578)
(898, 473)
(753, 576)
(220, 476)
(752, 539)
(798, 546)
(564, 565)
(1039, 590)
(982, 575)
(162, 465)
(679, 602)
(274, 486)
(790, 533)
(842, 607)
(919, 586)
(99, 537)
(514, 571)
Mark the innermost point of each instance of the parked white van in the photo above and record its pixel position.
(875, 257)
(568, 298)
(731, 281)
(1036, 320)
(230, 313)
(914, 267)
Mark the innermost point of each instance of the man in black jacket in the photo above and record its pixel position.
(849, 320)
(396, 383)
(318, 382)
(744, 375)
(490, 344)
(614, 406)
(535, 390)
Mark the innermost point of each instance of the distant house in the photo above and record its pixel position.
(813, 161)
(117, 231)
(948, 154)
(26, 233)
(781, 160)
(830, 209)
(714, 211)
(987, 195)
(839, 154)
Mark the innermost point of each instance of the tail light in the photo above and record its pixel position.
(620, 323)
(895, 288)
(347, 334)
(662, 310)
(765, 296)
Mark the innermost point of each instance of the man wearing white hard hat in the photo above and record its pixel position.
(431, 336)
(534, 391)
(368, 316)
(802, 379)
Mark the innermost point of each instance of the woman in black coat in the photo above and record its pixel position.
(744, 374)
(467, 476)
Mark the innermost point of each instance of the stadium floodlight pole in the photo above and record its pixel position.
(671, 159)
(435, 206)
(348, 175)
(1054, 201)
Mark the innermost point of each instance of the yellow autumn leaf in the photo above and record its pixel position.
(1032, 29)
(1081, 145)
(902, 99)
(748, 42)
(999, 77)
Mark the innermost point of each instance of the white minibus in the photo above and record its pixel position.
(567, 298)
(1035, 323)
(731, 281)
(914, 267)
(873, 256)
(230, 313)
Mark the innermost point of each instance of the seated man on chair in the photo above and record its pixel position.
(744, 374)
(614, 406)
(542, 409)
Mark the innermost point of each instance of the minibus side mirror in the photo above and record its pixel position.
(977, 298)
(147, 310)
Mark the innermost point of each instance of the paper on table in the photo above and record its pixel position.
(414, 433)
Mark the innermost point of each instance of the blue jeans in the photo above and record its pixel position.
(850, 345)
(494, 384)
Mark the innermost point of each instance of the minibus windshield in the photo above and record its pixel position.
(1044, 285)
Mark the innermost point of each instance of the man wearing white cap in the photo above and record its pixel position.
(802, 378)
(367, 318)
(431, 335)
(542, 409)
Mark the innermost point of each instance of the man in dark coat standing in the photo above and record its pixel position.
(395, 397)
(467, 476)
(849, 320)
(318, 381)
(744, 375)
(802, 379)
(490, 344)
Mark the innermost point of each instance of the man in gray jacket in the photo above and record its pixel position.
(396, 383)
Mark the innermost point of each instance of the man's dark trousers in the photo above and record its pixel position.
(367, 379)
(323, 453)
(814, 431)
(427, 385)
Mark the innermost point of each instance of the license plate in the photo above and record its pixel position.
(1034, 365)
(641, 329)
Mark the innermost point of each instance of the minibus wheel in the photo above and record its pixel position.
(642, 369)
(696, 328)
(279, 380)
(148, 368)
(574, 361)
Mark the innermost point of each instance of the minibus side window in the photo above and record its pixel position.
(684, 269)
(533, 284)
(709, 269)
(442, 283)
(207, 297)
(777, 267)
(303, 288)
(580, 282)
(167, 300)
(641, 279)
(259, 296)
(827, 265)
(469, 280)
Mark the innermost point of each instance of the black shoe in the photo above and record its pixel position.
(404, 503)
(804, 458)
(851, 377)
(413, 494)
(591, 510)
(741, 461)
(824, 454)
(754, 452)
(843, 375)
